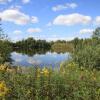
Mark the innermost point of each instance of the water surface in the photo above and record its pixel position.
(47, 59)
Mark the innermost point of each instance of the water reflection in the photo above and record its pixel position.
(39, 59)
(31, 52)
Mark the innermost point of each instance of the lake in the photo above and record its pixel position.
(48, 59)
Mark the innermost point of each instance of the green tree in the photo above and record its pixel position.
(96, 33)
(5, 48)
(89, 56)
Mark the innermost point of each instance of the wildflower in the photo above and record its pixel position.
(45, 71)
(2, 68)
(3, 89)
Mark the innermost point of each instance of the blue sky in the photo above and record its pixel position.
(49, 19)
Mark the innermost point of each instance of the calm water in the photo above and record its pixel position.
(47, 59)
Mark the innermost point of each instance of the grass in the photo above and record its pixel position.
(70, 82)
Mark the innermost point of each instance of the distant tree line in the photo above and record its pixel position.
(31, 43)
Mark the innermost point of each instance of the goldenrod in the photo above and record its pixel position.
(3, 89)
(45, 71)
(2, 68)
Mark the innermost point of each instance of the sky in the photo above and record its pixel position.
(49, 19)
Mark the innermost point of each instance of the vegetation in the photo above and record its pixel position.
(68, 83)
(5, 48)
(96, 33)
(62, 46)
(87, 52)
(31, 43)
(76, 79)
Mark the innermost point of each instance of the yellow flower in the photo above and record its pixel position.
(2, 68)
(3, 89)
(45, 71)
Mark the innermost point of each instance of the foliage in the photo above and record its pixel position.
(72, 81)
(88, 56)
(68, 83)
(62, 47)
(5, 50)
(5, 47)
(3, 89)
(96, 33)
(30, 44)
(87, 52)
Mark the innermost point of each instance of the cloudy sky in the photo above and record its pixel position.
(49, 19)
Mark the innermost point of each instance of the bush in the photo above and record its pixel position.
(89, 56)
(5, 50)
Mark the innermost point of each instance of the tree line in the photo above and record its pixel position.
(30, 43)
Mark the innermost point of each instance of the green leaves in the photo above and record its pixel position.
(96, 33)
(5, 50)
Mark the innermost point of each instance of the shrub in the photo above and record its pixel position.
(89, 56)
(5, 50)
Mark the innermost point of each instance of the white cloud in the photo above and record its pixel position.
(85, 31)
(34, 30)
(72, 19)
(15, 16)
(17, 32)
(33, 61)
(65, 6)
(59, 38)
(25, 1)
(34, 19)
(4, 1)
(97, 20)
